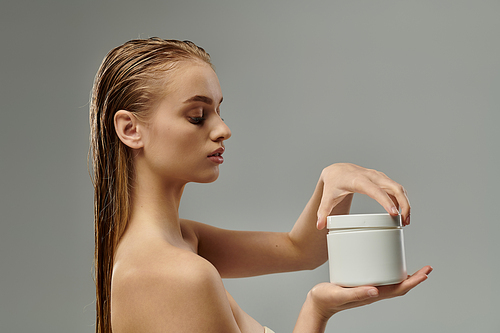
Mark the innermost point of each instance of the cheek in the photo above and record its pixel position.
(158, 145)
(173, 144)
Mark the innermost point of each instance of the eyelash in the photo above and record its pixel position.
(199, 120)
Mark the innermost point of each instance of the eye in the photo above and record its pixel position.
(197, 120)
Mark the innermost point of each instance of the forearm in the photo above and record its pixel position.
(241, 254)
(306, 238)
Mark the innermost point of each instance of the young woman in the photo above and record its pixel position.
(155, 126)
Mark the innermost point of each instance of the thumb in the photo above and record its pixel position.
(322, 217)
(357, 294)
(325, 207)
(328, 202)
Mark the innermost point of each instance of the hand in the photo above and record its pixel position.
(342, 179)
(328, 298)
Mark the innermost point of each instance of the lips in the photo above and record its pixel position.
(216, 156)
(217, 152)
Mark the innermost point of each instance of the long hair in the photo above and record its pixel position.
(132, 77)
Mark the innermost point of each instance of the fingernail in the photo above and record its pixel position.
(395, 211)
(408, 220)
(373, 292)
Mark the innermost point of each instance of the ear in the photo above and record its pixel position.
(127, 128)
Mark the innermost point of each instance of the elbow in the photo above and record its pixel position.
(306, 257)
(312, 262)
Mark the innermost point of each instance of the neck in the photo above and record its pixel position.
(155, 206)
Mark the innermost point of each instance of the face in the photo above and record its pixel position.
(184, 139)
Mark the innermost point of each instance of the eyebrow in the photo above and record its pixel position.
(199, 98)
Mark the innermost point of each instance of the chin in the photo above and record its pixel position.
(208, 178)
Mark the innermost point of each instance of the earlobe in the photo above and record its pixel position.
(127, 129)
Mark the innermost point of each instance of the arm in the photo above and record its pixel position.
(238, 254)
(251, 253)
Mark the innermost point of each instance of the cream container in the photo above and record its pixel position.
(366, 249)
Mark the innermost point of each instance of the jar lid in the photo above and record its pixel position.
(383, 220)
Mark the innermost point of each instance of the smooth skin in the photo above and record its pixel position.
(167, 273)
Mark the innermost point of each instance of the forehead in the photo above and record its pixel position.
(193, 78)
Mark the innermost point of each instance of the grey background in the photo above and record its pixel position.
(410, 88)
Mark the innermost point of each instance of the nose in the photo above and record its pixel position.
(221, 131)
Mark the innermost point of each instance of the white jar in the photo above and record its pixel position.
(366, 249)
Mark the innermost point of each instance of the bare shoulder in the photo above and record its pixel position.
(170, 289)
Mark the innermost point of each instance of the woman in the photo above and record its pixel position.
(155, 126)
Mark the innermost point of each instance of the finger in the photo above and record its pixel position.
(328, 201)
(359, 294)
(426, 270)
(394, 200)
(342, 296)
(399, 194)
(406, 211)
(322, 213)
(374, 191)
(396, 192)
(404, 287)
(414, 280)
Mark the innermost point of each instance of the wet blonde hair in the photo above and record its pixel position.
(132, 77)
